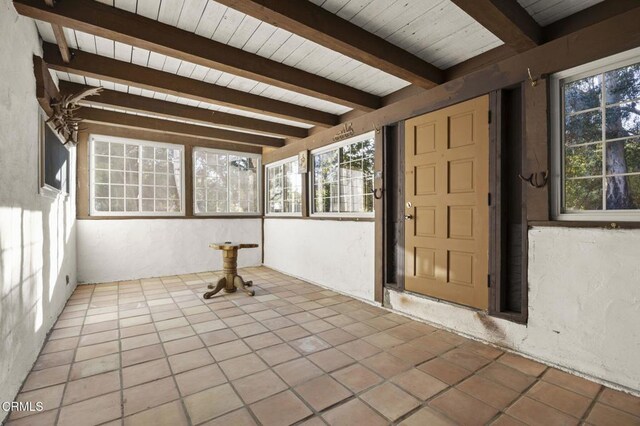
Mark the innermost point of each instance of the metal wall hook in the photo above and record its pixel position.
(377, 193)
(532, 180)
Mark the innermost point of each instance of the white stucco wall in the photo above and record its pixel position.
(37, 234)
(334, 254)
(584, 305)
(125, 249)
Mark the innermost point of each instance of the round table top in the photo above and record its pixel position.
(228, 245)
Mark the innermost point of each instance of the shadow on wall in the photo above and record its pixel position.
(33, 263)
(37, 252)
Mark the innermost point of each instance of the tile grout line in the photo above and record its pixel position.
(75, 351)
(299, 291)
(426, 402)
(166, 356)
(524, 392)
(357, 395)
(353, 396)
(150, 314)
(290, 388)
(593, 403)
(454, 385)
(245, 406)
(539, 379)
(121, 369)
(31, 370)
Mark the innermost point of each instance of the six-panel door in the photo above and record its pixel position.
(447, 213)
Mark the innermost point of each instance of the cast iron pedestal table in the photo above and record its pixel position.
(231, 280)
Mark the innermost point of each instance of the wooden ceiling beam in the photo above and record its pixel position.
(121, 119)
(61, 41)
(103, 68)
(58, 33)
(136, 103)
(482, 60)
(147, 135)
(582, 46)
(507, 20)
(323, 27)
(589, 16)
(572, 23)
(115, 24)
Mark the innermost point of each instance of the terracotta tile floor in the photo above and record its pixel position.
(153, 352)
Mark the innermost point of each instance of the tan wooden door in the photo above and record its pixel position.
(446, 210)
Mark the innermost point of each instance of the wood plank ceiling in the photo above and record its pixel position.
(273, 69)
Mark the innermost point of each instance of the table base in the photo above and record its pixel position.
(237, 282)
(231, 281)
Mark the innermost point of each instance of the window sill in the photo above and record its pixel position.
(227, 215)
(164, 217)
(330, 218)
(586, 224)
(119, 215)
(343, 218)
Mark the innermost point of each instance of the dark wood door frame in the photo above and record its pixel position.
(496, 130)
(389, 221)
(506, 127)
(378, 208)
(389, 262)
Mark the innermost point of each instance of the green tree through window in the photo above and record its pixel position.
(225, 182)
(343, 178)
(284, 188)
(601, 141)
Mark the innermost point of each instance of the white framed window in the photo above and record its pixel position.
(226, 183)
(283, 188)
(135, 178)
(54, 161)
(596, 140)
(342, 178)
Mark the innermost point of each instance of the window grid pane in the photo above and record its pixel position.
(292, 184)
(601, 144)
(343, 179)
(284, 188)
(225, 182)
(137, 178)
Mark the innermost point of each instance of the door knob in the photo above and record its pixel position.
(408, 217)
